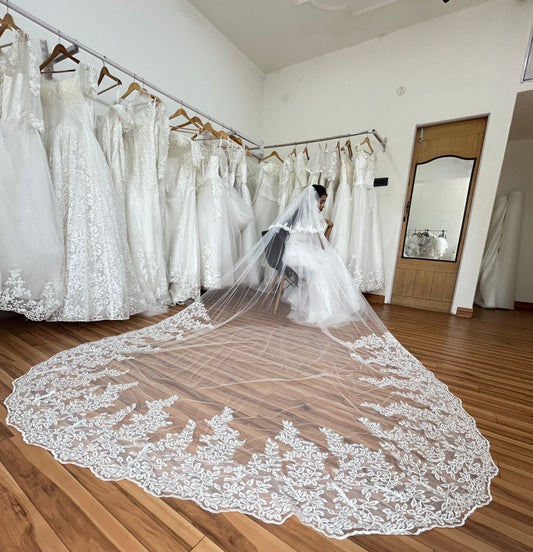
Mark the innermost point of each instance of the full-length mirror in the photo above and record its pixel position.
(437, 208)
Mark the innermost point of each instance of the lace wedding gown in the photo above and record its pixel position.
(96, 280)
(181, 235)
(110, 136)
(366, 250)
(237, 409)
(31, 248)
(146, 151)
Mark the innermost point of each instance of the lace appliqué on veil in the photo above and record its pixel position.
(408, 484)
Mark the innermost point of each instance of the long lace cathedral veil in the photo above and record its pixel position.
(323, 415)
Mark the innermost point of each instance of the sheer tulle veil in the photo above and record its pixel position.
(314, 411)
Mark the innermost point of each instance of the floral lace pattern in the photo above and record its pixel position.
(429, 468)
(31, 249)
(15, 295)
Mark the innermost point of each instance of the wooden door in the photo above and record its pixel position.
(425, 280)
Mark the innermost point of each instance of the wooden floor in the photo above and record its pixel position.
(486, 361)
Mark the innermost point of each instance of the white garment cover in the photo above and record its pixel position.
(181, 235)
(497, 277)
(366, 250)
(31, 249)
(96, 281)
(237, 409)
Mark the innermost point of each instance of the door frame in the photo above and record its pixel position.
(430, 284)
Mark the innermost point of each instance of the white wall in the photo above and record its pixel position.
(459, 66)
(517, 175)
(169, 43)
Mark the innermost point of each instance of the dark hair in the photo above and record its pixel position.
(320, 190)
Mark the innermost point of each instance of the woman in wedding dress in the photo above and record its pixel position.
(239, 409)
(323, 295)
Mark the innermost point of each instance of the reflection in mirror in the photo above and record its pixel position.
(437, 208)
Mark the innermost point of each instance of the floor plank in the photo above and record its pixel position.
(485, 360)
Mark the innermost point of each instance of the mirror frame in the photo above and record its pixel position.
(463, 218)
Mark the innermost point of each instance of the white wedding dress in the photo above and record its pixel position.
(330, 180)
(146, 152)
(110, 136)
(215, 228)
(342, 209)
(181, 225)
(248, 237)
(366, 249)
(31, 247)
(237, 409)
(96, 281)
(265, 202)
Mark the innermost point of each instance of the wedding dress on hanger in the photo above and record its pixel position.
(330, 180)
(215, 229)
(96, 284)
(265, 202)
(31, 247)
(342, 209)
(241, 214)
(110, 136)
(366, 250)
(238, 409)
(181, 226)
(146, 151)
(248, 236)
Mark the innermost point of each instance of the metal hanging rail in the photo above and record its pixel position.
(374, 132)
(104, 59)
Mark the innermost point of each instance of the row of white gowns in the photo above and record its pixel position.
(107, 224)
(352, 204)
(126, 217)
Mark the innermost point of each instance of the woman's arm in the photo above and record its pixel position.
(328, 229)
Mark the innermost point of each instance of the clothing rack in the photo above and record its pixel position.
(440, 231)
(9, 5)
(373, 131)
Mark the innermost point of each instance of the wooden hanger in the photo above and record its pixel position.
(306, 151)
(104, 72)
(208, 128)
(367, 142)
(348, 146)
(8, 24)
(236, 139)
(293, 152)
(58, 50)
(195, 122)
(272, 154)
(179, 112)
(136, 86)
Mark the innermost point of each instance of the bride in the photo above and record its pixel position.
(325, 294)
(240, 409)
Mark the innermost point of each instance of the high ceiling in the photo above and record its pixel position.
(278, 33)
